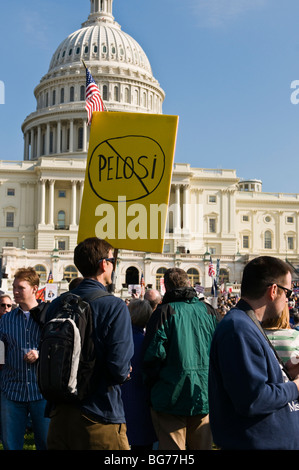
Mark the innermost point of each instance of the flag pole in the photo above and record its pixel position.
(84, 64)
(111, 287)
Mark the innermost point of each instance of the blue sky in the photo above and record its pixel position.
(226, 66)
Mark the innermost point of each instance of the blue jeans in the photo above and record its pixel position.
(14, 418)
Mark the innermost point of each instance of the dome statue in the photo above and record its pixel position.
(120, 68)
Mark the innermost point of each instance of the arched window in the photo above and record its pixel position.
(41, 271)
(72, 94)
(268, 240)
(105, 93)
(80, 138)
(160, 275)
(116, 93)
(82, 93)
(62, 95)
(69, 273)
(132, 276)
(127, 95)
(193, 275)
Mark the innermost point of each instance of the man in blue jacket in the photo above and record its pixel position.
(99, 422)
(253, 404)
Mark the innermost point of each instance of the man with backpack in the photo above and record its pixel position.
(96, 421)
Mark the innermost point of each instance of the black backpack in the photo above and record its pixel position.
(66, 371)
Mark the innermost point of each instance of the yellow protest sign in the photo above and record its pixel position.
(127, 180)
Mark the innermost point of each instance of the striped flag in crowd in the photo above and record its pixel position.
(94, 100)
(142, 283)
(50, 278)
(211, 271)
(40, 295)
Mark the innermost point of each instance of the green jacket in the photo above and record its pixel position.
(176, 353)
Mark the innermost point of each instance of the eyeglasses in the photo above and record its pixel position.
(6, 305)
(111, 260)
(288, 292)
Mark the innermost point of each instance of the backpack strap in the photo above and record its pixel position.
(245, 307)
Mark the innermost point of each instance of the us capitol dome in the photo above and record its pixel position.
(119, 66)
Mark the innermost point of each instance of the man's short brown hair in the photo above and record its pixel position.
(175, 278)
(29, 275)
(260, 273)
(88, 253)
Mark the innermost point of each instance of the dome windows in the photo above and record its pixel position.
(127, 95)
(105, 93)
(116, 93)
(78, 50)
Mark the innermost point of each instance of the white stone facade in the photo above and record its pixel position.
(211, 212)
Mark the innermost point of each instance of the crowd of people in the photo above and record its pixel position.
(174, 374)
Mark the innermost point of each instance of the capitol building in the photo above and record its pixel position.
(216, 214)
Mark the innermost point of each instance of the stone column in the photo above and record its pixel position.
(26, 146)
(39, 134)
(58, 137)
(186, 208)
(71, 143)
(42, 200)
(177, 210)
(74, 203)
(47, 150)
(31, 144)
(51, 202)
(84, 136)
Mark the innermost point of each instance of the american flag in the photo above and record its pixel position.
(212, 271)
(94, 100)
(40, 295)
(142, 283)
